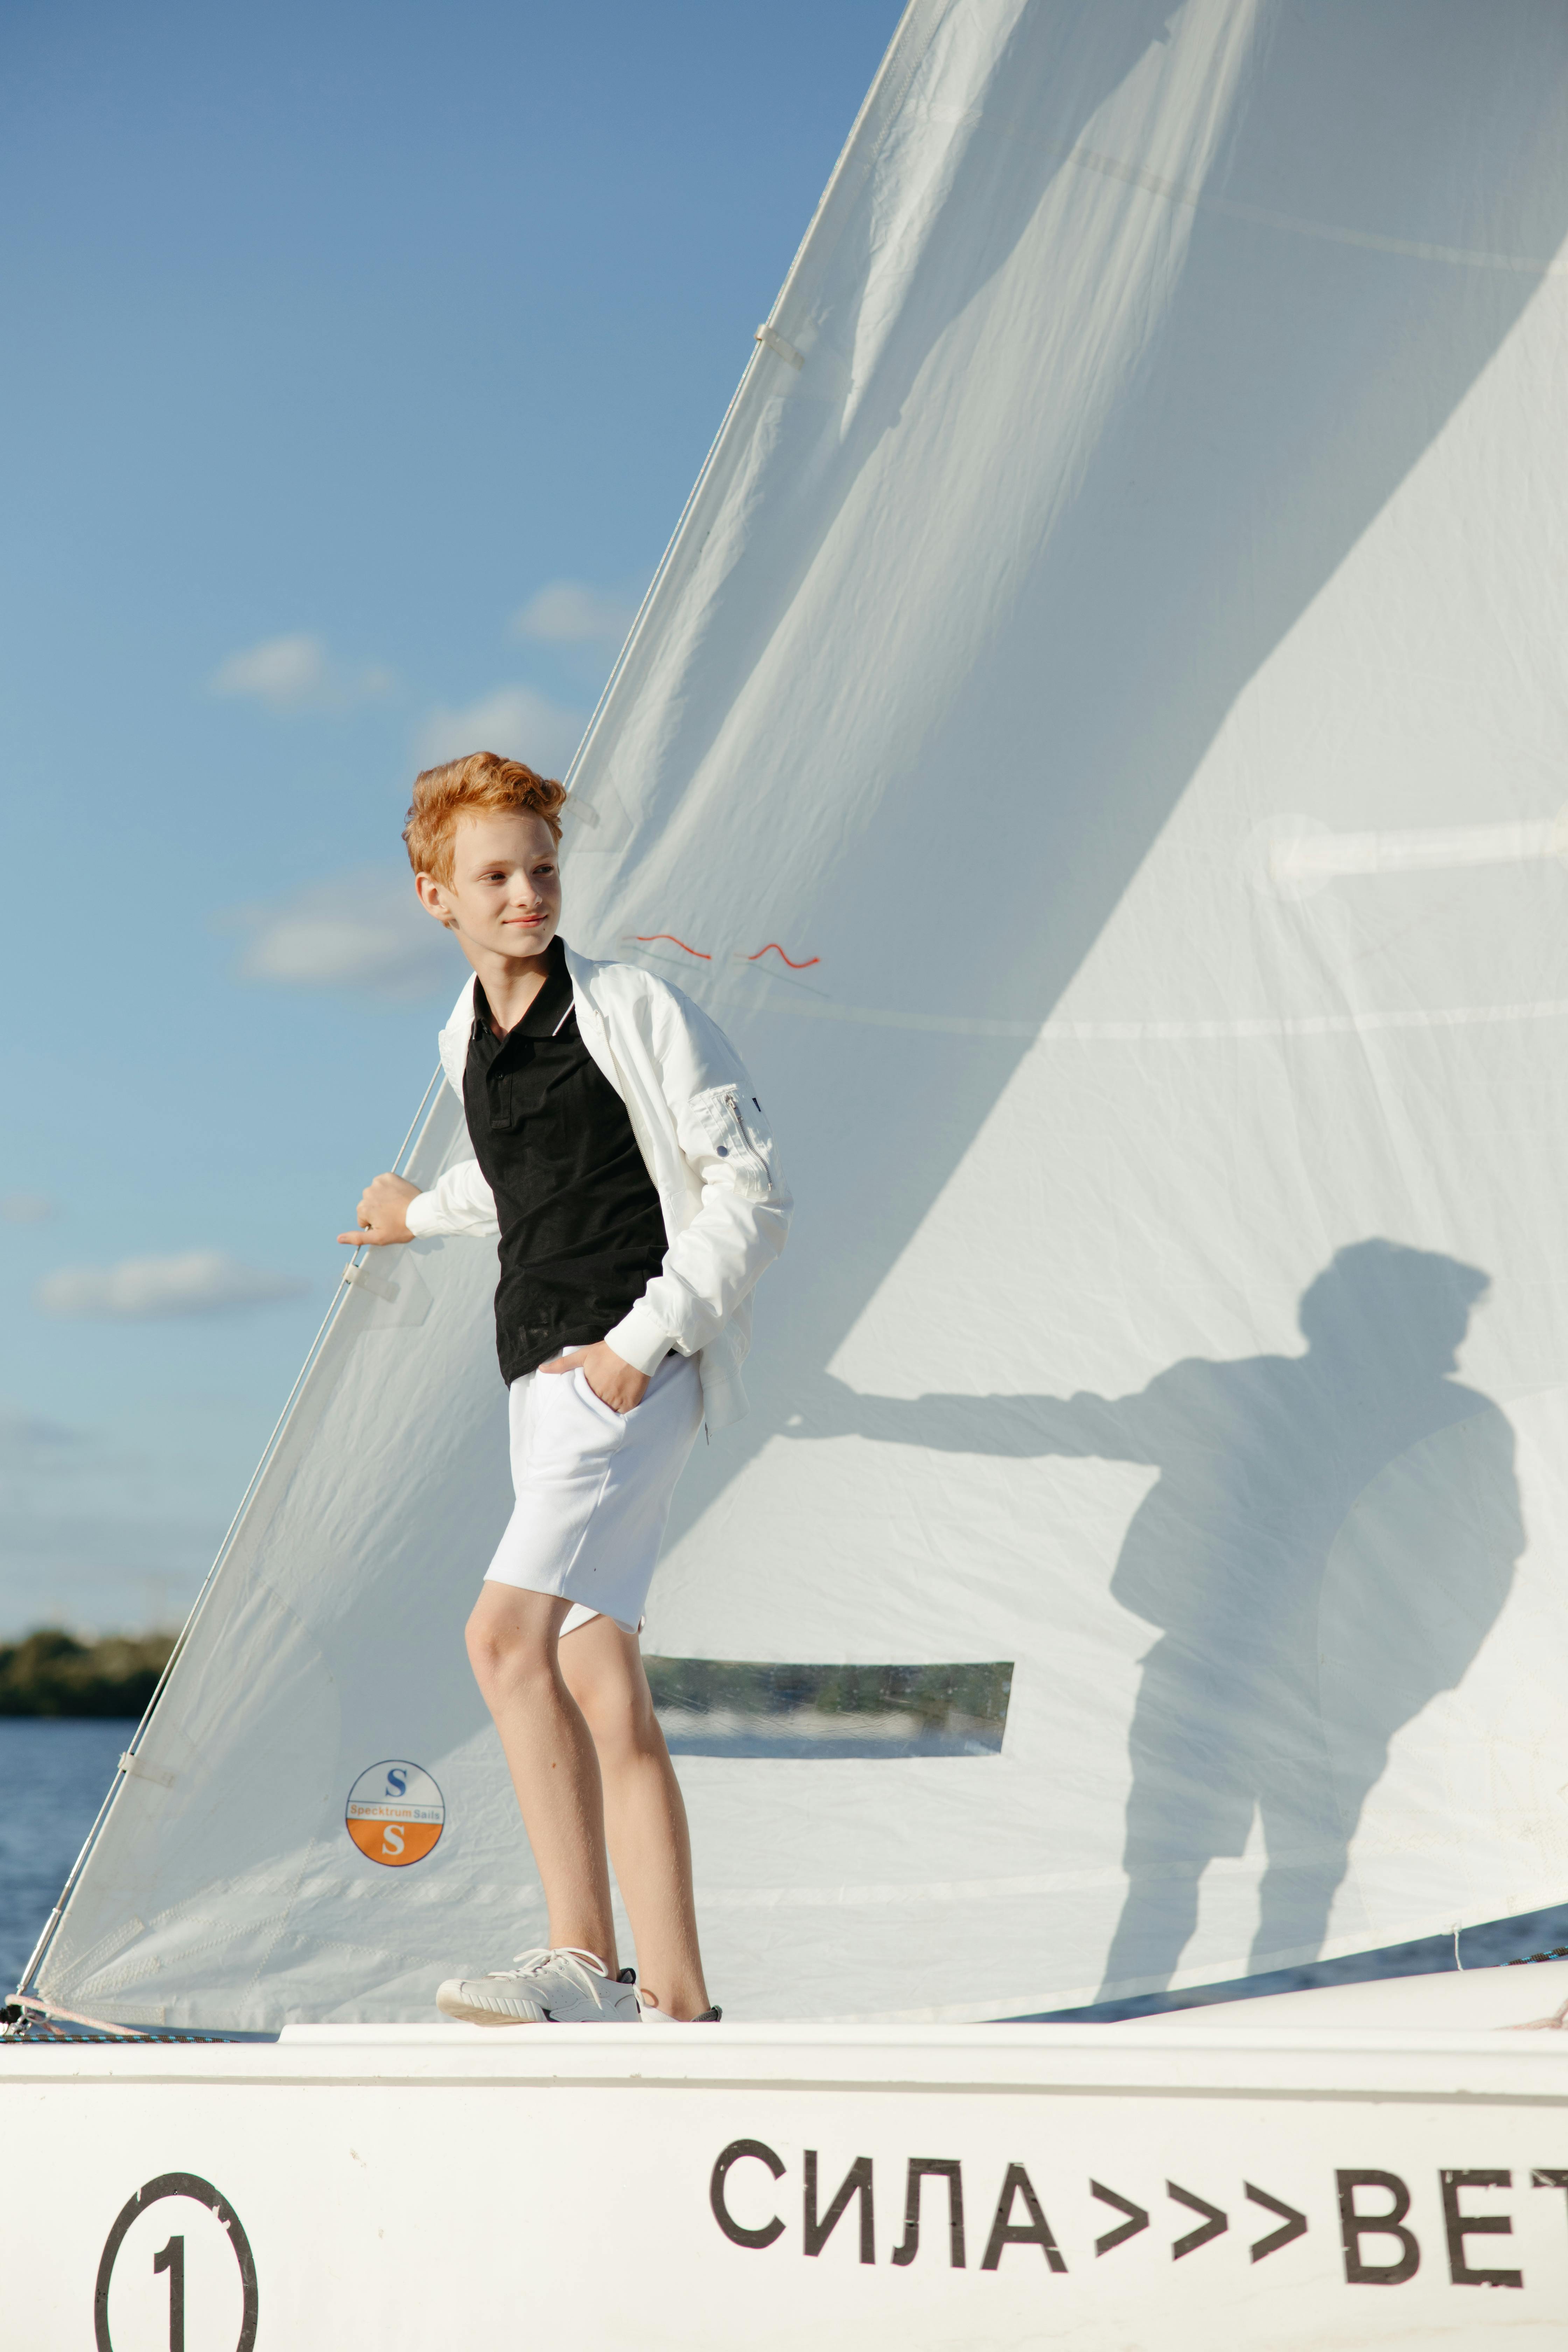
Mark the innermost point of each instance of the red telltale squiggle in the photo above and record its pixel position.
(774, 948)
(646, 938)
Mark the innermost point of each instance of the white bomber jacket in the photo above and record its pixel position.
(706, 1144)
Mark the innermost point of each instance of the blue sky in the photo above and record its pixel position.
(360, 359)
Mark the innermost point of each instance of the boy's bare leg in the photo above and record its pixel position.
(513, 1646)
(644, 1812)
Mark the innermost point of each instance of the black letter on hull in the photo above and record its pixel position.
(1354, 2227)
(1037, 2231)
(1459, 2226)
(1215, 2226)
(940, 2168)
(737, 2232)
(1295, 2225)
(1549, 2179)
(1125, 2230)
(857, 2182)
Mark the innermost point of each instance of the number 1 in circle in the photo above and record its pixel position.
(173, 2259)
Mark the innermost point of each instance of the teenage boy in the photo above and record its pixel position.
(621, 1154)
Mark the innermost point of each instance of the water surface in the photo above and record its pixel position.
(54, 1774)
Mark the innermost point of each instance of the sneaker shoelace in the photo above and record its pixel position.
(531, 1963)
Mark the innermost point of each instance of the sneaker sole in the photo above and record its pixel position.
(462, 2013)
(469, 2013)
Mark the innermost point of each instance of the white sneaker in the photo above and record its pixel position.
(543, 1988)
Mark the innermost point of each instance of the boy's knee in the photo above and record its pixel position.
(621, 1721)
(501, 1656)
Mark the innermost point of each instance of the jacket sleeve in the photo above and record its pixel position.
(743, 1218)
(460, 1202)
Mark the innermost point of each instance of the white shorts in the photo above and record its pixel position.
(594, 1488)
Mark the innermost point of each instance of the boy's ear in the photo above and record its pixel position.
(433, 899)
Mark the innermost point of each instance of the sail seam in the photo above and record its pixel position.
(1134, 1032)
(1260, 217)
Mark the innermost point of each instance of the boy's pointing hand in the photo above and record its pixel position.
(381, 1213)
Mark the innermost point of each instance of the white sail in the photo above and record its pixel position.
(1097, 740)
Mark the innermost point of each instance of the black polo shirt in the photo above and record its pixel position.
(582, 1233)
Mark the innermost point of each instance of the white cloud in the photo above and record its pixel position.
(565, 613)
(513, 720)
(197, 1282)
(26, 1208)
(290, 673)
(365, 930)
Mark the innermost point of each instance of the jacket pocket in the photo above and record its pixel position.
(731, 1122)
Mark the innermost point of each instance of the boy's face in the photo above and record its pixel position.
(504, 896)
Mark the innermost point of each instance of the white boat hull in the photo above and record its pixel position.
(414, 2187)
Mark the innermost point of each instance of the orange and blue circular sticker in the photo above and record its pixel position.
(395, 1813)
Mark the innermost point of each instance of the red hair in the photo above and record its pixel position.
(483, 782)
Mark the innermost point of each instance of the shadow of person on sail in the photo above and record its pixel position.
(1329, 1541)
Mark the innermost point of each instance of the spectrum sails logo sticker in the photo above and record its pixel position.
(395, 1813)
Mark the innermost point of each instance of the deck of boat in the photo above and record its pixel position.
(1198, 2178)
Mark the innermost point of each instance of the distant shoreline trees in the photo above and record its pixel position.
(51, 1673)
